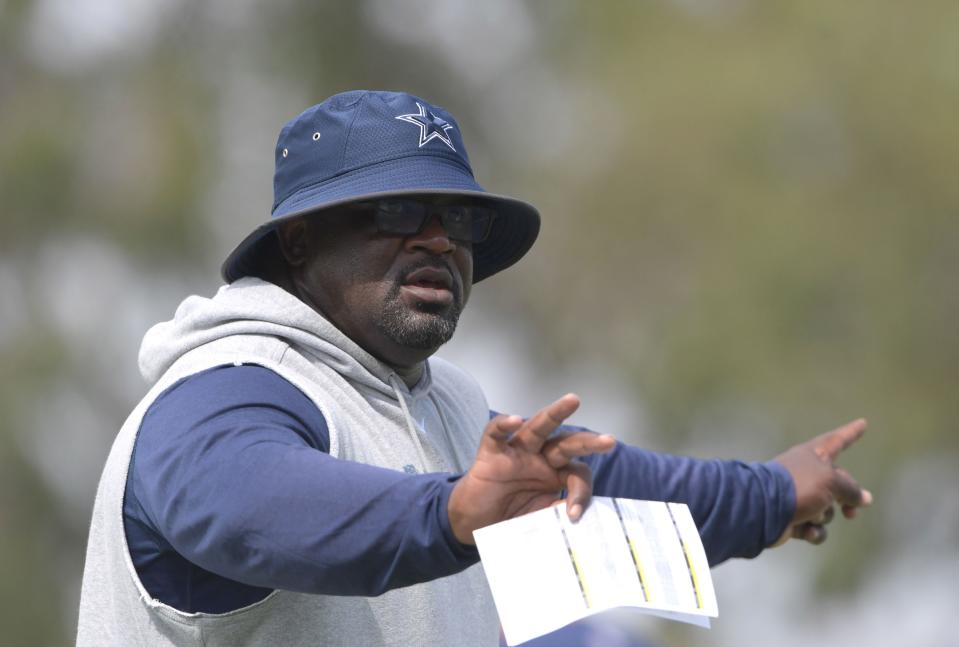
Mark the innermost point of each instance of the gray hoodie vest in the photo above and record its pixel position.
(370, 414)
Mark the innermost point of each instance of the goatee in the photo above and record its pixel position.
(423, 326)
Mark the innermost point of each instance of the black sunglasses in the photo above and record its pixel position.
(465, 223)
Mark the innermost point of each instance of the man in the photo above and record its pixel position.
(304, 472)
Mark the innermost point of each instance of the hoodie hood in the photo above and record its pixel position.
(251, 306)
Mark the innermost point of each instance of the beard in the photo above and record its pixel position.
(423, 326)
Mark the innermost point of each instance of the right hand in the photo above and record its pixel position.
(517, 470)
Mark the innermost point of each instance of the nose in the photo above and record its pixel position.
(433, 238)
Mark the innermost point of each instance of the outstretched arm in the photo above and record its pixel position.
(740, 508)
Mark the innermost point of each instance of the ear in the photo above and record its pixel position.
(294, 241)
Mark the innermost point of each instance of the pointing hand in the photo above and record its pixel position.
(820, 484)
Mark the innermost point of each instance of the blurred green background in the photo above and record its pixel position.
(751, 235)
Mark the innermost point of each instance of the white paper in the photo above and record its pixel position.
(545, 571)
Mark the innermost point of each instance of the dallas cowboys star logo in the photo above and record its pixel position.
(431, 126)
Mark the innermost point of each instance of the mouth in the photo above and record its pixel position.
(432, 285)
(438, 278)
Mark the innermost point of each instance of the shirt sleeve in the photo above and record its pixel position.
(230, 466)
(740, 508)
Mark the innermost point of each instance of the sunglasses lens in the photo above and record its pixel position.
(403, 217)
(407, 217)
(458, 222)
(481, 222)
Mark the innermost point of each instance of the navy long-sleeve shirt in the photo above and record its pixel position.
(231, 493)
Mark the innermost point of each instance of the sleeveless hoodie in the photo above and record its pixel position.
(369, 412)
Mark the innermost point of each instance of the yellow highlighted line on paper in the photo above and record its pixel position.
(692, 574)
(639, 569)
(689, 562)
(572, 558)
(582, 580)
(632, 551)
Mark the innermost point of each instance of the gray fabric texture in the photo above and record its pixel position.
(371, 417)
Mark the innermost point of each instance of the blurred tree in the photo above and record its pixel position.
(749, 214)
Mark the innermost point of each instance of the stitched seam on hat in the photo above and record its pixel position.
(311, 185)
(349, 130)
(298, 187)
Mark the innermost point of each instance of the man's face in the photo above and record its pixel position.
(398, 297)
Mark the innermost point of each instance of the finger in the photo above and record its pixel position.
(824, 517)
(846, 490)
(578, 480)
(563, 449)
(498, 431)
(534, 432)
(830, 444)
(810, 532)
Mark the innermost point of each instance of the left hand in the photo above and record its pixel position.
(820, 484)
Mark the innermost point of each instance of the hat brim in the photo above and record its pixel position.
(513, 232)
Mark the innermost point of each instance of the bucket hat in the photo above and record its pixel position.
(366, 145)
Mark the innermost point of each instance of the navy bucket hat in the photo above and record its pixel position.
(362, 145)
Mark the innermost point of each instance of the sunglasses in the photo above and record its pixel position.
(465, 223)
